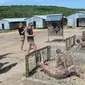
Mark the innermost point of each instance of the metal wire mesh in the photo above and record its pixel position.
(79, 59)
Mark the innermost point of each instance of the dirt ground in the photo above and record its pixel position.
(11, 55)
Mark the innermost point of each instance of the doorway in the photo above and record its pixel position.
(2, 26)
(34, 24)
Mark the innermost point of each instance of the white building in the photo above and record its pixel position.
(76, 20)
(39, 21)
(11, 23)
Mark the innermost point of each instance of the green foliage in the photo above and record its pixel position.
(16, 11)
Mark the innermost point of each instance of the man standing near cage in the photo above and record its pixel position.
(30, 37)
(64, 67)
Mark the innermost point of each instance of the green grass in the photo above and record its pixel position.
(6, 31)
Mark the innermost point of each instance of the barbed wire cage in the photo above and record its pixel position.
(48, 53)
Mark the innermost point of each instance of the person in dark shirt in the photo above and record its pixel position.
(30, 32)
(30, 37)
(22, 34)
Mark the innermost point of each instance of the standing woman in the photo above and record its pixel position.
(22, 34)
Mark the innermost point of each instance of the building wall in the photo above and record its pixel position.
(29, 20)
(0, 26)
(72, 19)
(5, 23)
(11, 23)
(37, 20)
(15, 25)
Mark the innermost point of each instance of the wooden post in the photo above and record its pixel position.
(27, 65)
(67, 43)
(38, 57)
(74, 40)
(48, 52)
(70, 42)
(83, 34)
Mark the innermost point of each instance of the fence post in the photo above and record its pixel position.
(83, 34)
(70, 42)
(37, 56)
(48, 52)
(27, 65)
(66, 41)
(74, 39)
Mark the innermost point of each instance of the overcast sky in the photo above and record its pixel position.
(64, 3)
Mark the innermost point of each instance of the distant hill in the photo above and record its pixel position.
(29, 10)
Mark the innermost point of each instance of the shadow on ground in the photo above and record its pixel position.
(4, 55)
(2, 64)
(7, 68)
(57, 40)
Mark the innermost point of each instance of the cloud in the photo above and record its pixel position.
(3, 1)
